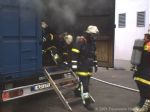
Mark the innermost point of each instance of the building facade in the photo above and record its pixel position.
(132, 18)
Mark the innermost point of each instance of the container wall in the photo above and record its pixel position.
(20, 49)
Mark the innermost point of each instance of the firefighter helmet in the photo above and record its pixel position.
(92, 29)
(68, 39)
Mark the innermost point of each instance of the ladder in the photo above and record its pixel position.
(68, 80)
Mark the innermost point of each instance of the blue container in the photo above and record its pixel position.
(20, 36)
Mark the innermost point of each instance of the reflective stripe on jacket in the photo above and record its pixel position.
(144, 81)
(75, 50)
(84, 73)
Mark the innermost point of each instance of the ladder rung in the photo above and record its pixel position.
(59, 72)
(65, 90)
(63, 80)
(69, 86)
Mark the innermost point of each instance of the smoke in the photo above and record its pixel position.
(65, 10)
(61, 15)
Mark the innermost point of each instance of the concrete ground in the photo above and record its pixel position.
(108, 98)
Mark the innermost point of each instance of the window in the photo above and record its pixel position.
(122, 20)
(140, 19)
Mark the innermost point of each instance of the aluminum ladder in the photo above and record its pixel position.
(67, 81)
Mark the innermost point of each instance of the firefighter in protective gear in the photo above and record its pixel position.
(45, 30)
(83, 60)
(51, 55)
(65, 48)
(50, 52)
(142, 77)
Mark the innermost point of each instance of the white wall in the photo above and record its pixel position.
(124, 37)
(149, 11)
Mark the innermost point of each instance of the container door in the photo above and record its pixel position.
(9, 40)
(30, 39)
(20, 51)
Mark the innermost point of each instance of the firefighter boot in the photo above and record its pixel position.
(140, 104)
(87, 102)
(145, 107)
(136, 109)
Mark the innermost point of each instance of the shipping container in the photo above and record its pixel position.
(20, 47)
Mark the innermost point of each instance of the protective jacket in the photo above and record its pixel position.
(142, 74)
(51, 55)
(64, 51)
(83, 55)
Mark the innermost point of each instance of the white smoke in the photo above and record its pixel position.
(59, 10)
(65, 10)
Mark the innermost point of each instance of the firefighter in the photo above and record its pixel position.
(65, 45)
(83, 60)
(142, 77)
(45, 29)
(51, 55)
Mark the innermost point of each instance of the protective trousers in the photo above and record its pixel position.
(84, 89)
(85, 80)
(144, 90)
